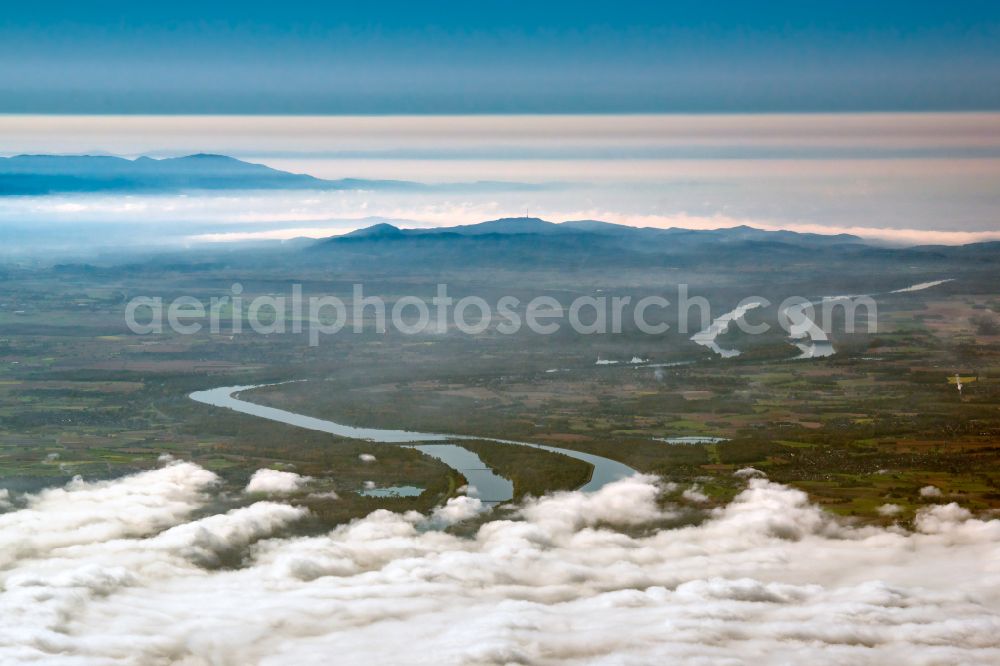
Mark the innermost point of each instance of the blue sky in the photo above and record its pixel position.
(497, 57)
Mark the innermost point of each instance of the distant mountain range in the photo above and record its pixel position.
(528, 242)
(540, 227)
(521, 242)
(56, 174)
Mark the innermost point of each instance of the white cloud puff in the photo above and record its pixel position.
(457, 509)
(695, 494)
(276, 482)
(468, 489)
(930, 491)
(890, 510)
(131, 572)
(367, 458)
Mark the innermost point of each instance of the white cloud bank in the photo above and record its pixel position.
(123, 572)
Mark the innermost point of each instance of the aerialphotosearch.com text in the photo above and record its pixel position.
(317, 316)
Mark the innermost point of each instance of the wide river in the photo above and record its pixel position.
(492, 487)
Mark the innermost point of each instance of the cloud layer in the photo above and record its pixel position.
(904, 178)
(132, 571)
